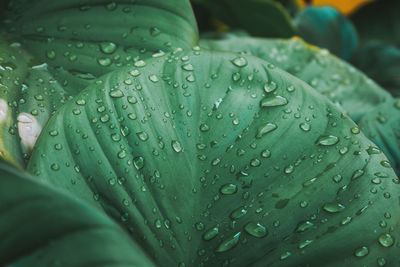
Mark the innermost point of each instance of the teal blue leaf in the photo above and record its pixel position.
(214, 158)
(326, 27)
(42, 226)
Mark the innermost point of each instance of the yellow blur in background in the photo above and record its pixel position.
(345, 6)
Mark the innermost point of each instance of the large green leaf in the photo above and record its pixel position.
(382, 126)
(265, 18)
(379, 20)
(380, 62)
(339, 81)
(28, 96)
(41, 226)
(85, 39)
(214, 159)
(326, 27)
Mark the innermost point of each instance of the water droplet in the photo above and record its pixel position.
(305, 126)
(373, 150)
(204, 127)
(285, 255)
(142, 136)
(357, 174)
(154, 31)
(176, 146)
(333, 207)
(386, 240)
(361, 252)
(256, 229)
(239, 62)
(108, 47)
(355, 130)
(51, 54)
(228, 189)
(301, 227)
(116, 94)
(153, 78)
(188, 67)
(55, 167)
(305, 244)
(211, 233)
(229, 243)
(328, 140)
(270, 87)
(103, 61)
(269, 127)
(337, 178)
(140, 63)
(274, 101)
(238, 213)
(138, 162)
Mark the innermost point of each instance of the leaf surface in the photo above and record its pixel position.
(344, 85)
(220, 158)
(82, 40)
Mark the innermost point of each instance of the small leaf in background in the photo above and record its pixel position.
(265, 18)
(381, 62)
(41, 226)
(379, 20)
(326, 27)
(210, 158)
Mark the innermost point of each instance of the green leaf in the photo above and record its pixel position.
(42, 226)
(382, 126)
(380, 62)
(28, 97)
(326, 27)
(265, 18)
(339, 81)
(378, 20)
(85, 39)
(220, 158)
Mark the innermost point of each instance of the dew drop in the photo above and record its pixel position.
(333, 207)
(386, 240)
(274, 101)
(229, 243)
(176, 146)
(267, 128)
(239, 62)
(108, 47)
(256, 229)
(228, 189)
(211, 233)
(361, 252)
(328, 140)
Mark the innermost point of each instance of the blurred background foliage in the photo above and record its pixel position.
(364, 32)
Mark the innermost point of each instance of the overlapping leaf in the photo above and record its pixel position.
(326, 27)
(84, 39)
(41, 226)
